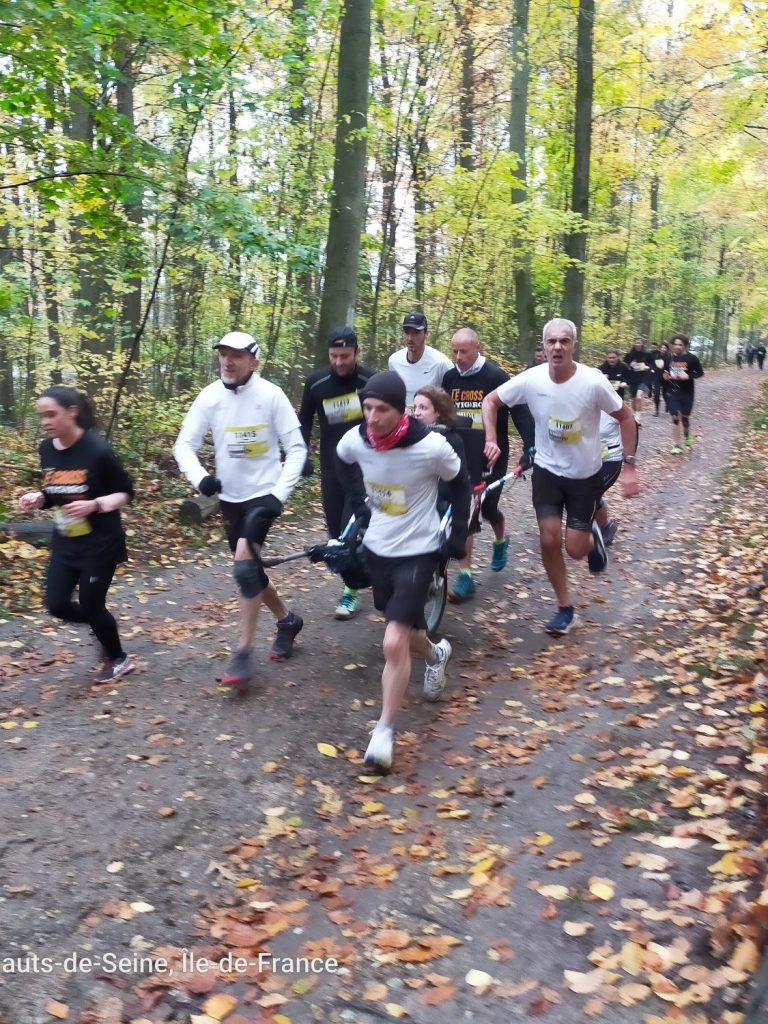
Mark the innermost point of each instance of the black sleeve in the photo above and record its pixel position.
(695, 368)
(524, 425)
(307, 412)
(459, 493)
(111, 477)
(350, 476)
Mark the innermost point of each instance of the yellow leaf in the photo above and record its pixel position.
(9, 725)
(395, 1010)
(280, 1018)
(327, 749)
(58, 1010)
(483, 866)
(544, 839)
(219, 1006)
(553, 892)
(576, 928)
(372, 807)
(30, 725)
(374, 992)
(246, 883)
(602, 888)
(349, 668)
(585, 799)
(586, 984)
(746, 957)
(460, 894)
(631, 959)
(369, 779)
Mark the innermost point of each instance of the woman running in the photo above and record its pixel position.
(84, 481)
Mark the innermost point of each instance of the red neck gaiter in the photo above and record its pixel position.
(384, 444)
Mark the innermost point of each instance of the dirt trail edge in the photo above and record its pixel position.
(544, 847)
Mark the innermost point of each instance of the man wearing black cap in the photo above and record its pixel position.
(397, 463)
(250, 420)
(331, 394)
(418, 364)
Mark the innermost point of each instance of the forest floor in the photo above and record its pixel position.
(575, 832)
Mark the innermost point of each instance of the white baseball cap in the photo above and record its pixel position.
(240, 341)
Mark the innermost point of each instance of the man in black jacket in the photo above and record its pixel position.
(331, 394)
(640, 362)
(471, 378)
(681, 369)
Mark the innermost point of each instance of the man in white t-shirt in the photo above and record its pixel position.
(250, 420)
(390, 467)
(565, 399)
(418, 364)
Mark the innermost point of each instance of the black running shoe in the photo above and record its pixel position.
(597, 559)
(287, 632)
(240, 670)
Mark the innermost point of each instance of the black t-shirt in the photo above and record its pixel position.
(635, 360)
(335, 402)
(686, 363)
(86, 470)
(468, 393)
(619, 375)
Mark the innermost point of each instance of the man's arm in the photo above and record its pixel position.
(295, 450)
(526, 428)
(193, 430)
(626, 419)
(491, 405)
(696, 370)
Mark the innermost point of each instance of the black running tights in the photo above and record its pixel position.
(92, 586)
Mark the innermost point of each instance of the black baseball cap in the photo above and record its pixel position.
(416, 321)
(342, 337)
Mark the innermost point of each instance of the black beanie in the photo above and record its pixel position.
(387, 387)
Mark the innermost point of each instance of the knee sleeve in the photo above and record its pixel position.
(250, 577)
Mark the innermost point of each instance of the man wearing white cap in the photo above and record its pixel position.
(250, 419)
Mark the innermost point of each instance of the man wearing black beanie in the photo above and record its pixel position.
(391, 466)
(332, 394)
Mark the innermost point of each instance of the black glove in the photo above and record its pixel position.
(268, 507)
(362, 514)
(525, 462)
(309, 467)
(316, 553)
(209, 485)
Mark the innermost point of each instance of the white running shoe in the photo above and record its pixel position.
(379, 752)
(434, 675)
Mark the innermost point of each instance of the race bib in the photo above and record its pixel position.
(343, 408)
(565, 431)
(387, 498)
(69, 526)
(677, 372)
(247, 442)
(641, 367)
(617, 385)
(659, 363)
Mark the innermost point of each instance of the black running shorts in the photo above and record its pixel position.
(610, 474)
(679, 402)
(553, 493)
(234, 514)
(401, 586)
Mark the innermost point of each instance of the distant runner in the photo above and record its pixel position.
(681, 369)
(417, 363)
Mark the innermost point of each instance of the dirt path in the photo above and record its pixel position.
(125, 813)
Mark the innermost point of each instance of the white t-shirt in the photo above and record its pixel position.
(248, 426)
(610, 438)
(430, 369)
(402, 491)
(567, 416)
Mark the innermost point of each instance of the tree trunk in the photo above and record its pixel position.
(576, 240)
(132, 204)
(235, 260)
(348, 199)
(419, 157)
(525, 313)
(466, 159)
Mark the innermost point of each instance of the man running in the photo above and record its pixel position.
(331, 394)
(760, 351)
(681, 369)
(640, 361)
(417, 363)
(618, 373)
(468, 382)
(399, 463)
(565, 399)
(250, 420)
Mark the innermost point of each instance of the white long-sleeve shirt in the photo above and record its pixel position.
(249, 426)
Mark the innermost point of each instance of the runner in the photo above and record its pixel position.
(85, 482)
(468, 382)
(681, 369)
(658, 355)
(250, 420)
(399, 464)
(760, 351)
(331, 394)
(435, 409)
(640, 361)
(417, 363)
(565, 399)
(618, 373)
